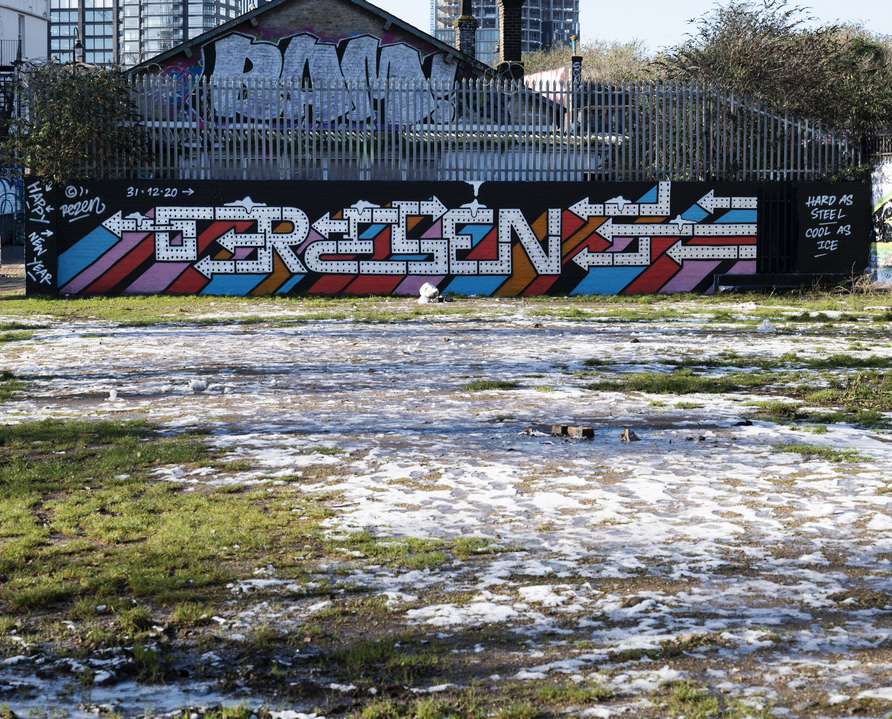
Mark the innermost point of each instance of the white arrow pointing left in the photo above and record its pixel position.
(730, 229)
(325, 226)
(586, 259)
(230, 240)
(209, 267)
(680, 252)
(609, 230)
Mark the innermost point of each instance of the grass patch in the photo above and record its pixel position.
(485, 385)
(399, 659)
(685, 698)
(82, 519)
(151, 310)
(412, 552)
(784, 412)
(847, 361)
(570, 313)
(9, 386)
(810, 451)
(685, 381)
(16, 336)
(574, 694)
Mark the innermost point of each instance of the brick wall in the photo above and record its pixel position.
(510, 24)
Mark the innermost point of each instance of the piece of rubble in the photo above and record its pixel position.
(566, 430)
(629, 436)
(428, 294)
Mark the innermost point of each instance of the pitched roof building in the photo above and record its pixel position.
(294, 38)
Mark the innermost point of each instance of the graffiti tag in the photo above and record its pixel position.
(38, 272)
(82, 208)
(38, 207)
(367, 239)
(325, 66)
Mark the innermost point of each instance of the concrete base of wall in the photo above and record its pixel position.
(748, 283)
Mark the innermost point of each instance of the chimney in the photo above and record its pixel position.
(510, 22)
(466, 30)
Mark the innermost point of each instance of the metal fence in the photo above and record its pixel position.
(285, 128)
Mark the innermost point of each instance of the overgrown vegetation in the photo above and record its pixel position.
(607, 61)
(77, 122)
(769, 50)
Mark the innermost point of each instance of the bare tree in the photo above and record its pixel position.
(602, 61)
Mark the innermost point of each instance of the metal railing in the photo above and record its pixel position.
(284, 128)
(10, 52)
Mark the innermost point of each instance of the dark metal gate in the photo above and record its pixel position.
(778, 228)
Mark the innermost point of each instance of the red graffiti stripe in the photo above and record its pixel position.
(191, 282)
(127, 264)
(653, 278)
(658, 245)
(571, 223)
(540, 285)
(487, 248)
(375, 284)
(382, 244)
(331, 284)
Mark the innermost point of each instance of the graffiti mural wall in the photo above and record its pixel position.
(507, 239)
(881, 260)
(347, 44)
(291, 38)
(306, 58)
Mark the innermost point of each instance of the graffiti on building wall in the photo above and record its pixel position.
(341, 68)
(486, 239)
(881, 203)
(10, 195)
(10, 210)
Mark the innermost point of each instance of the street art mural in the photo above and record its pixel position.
(345, 69)
(10, 210)
(881, 196)
(508, 239)
(10, 195)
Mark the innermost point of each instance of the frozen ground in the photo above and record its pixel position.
(699, 552)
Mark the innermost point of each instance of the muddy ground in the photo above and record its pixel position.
(701, 568)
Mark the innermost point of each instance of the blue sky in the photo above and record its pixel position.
(659, 23)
